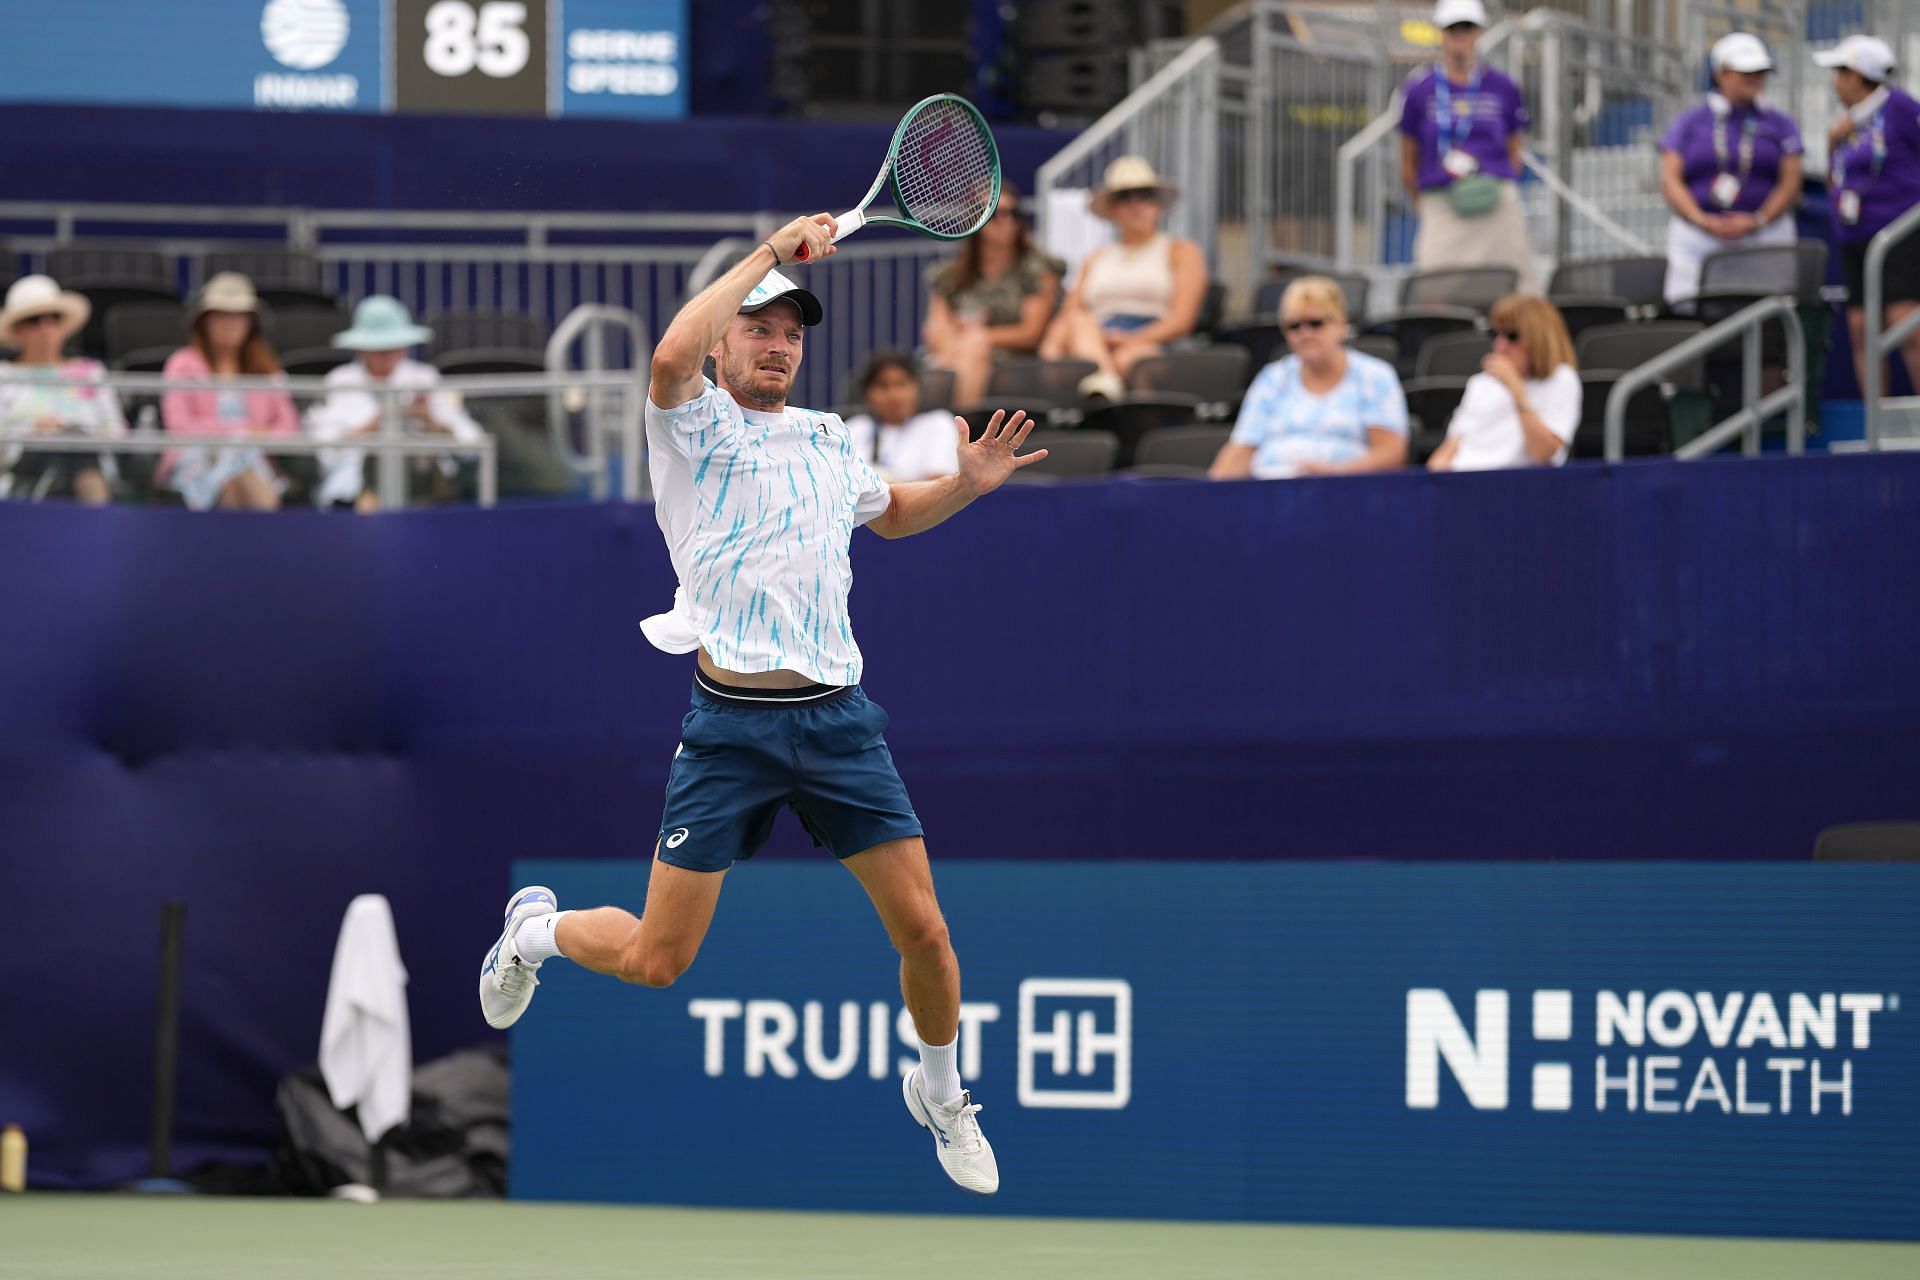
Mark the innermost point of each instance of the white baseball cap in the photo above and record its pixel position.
(1741, 52)
(772, 287)
(1870, 57)
(1450, 13)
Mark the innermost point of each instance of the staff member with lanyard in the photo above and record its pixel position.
(1875, 177)
(1729, 168)
(1462, 127)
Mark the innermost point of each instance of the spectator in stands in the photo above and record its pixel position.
(43, 394)
(902, 443)
(1324, 410)
(1729, 168)
(1462, 127)
(382, 333)
(996, 297)
(1875, 177)
(1134, 297)
(1523, 408)
(226, 342)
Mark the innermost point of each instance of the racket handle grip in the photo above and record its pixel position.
(844, 225)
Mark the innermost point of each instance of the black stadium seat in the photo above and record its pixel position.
(285, 279)
(493, 330)
(1132, 419)
(1214, 376)
(1475, 288)
(1453, 355)
(1638, 281)
(137, 326)
(1187, 447)
(1627, 346)
(1055, 381)
(936, 388)
(1648, 422)
(303, 327)
(111, 276)
(1079, 452)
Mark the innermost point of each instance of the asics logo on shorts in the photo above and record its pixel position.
(677, 839)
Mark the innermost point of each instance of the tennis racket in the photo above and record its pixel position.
(944, 169)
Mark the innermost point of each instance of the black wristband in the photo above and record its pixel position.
(775, 252)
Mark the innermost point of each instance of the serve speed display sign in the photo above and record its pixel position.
(485, 57)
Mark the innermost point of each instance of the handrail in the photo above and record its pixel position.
(712, 262)
(1881, 345)
(1203, 50)
(592, 319)
(1583, 206)
(1755, 408)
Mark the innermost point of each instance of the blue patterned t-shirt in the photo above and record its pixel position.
(1287, 425)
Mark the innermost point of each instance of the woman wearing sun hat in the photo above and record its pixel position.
(1729, 167)
(225, 342)
(43, 394)
(1462, 127)
(381, 335)
(1136, 295)
(1874, 178)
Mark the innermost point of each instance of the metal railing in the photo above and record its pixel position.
(391, 442)
(1878, 341)
(1755, 408)
(590, 325)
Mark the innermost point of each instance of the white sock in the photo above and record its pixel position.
(534, 938)
(939, 1074)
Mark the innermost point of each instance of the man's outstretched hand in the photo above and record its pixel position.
(986, 463)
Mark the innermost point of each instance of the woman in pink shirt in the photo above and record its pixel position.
(226, 342)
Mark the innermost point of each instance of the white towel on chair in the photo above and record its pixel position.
(366, 1048)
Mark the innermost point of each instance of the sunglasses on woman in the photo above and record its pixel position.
(1511, 335)
(1315, 323)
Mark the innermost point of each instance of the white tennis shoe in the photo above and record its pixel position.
(963, 1150)
(507, 981)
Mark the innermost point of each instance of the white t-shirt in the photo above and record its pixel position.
(1487, 424)
(758, 510)
(349, 406)
(923, 447)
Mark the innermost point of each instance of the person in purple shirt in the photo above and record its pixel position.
(1730, 168)
(1462, 127)
(1874, 176)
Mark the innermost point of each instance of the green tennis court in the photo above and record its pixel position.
(46, 1237)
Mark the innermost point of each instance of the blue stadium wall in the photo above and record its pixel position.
(263, 717)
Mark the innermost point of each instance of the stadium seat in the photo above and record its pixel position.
(1649, 429)
(1798, 269)
(1215, 376)
(1079, 452)
(1586, 311)
(490, 360)
(1409, 330)
(111, 276)
(286, 279)
(1638, 281)
(1868, 842)
(1213, 309)
(1379, 346)
(1628, 346)
(979, 415)
(303, 328)
(936, 388)
(1433, 400)
(1475, 288)
(313, 362)
(1354, 285)
(1263, 339)
(134, 326)
(488, 330)
(1055, 381)
(1191, 448)
(1452, 355)
(1130, 420)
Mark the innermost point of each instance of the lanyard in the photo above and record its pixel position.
(1876, 151)
(1443, 108)
(1749, 133)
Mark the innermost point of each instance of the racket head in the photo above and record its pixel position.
(944, 168)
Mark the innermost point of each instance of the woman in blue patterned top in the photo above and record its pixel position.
(1324, 410)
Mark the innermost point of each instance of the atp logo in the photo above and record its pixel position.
(304, 34)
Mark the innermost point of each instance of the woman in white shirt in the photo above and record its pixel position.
(902, 443)
(382, 333)
(1522, 409)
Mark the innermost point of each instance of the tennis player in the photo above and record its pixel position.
(758, 502)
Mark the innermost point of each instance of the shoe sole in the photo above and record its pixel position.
(507, 929)
(919, 1114)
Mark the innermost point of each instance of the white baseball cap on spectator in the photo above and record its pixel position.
(230, 292)
(1870, 57)
(1741, 52)
(1451, 13)
(31, 297)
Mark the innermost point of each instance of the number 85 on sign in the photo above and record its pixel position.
(481, 56)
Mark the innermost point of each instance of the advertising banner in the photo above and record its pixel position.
(1650, 1048)
(487, 57)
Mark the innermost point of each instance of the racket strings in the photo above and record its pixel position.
(944, 169)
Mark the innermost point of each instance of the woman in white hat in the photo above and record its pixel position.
(226, 342)
(43, 394)
(1134, 296)
(1462, 127)
(1730, 168)
(1874, 178)
(381, 335)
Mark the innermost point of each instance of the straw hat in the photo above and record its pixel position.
(32, 296)
(230, 292)
(381, 323)
(1130, 173)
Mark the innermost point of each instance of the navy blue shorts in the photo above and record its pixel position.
(746, 752)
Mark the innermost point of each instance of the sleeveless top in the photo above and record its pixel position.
(1125, 280)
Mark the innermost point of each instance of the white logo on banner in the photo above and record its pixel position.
(1731, 1083)
(304, 34)
(1072, 1042)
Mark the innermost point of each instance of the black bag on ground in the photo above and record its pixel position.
(453, 1145)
